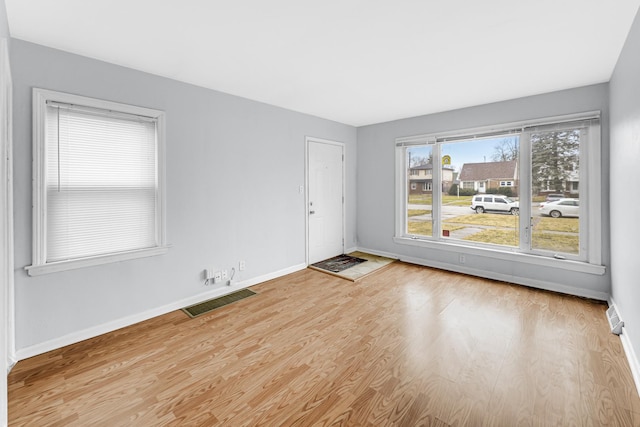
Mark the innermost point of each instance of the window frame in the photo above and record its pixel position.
(590, 172)
(39, 222)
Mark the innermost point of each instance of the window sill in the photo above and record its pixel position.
(578, 266)
(53, 267)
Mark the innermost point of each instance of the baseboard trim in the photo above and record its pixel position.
(11, 362)
(538, 284)
(114, 325)
(632, 358)
(379, 253)
(634, 364)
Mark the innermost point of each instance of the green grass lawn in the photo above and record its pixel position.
(425, 228)
(417, 212)
(420, 199)
(456, 201)
(420, 228)
(496, 237)
(543, 241)
(504, 229)
(568, 225)
(426, 199)
(556, 242)
(489, 220)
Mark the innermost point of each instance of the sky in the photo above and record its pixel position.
(470, 151)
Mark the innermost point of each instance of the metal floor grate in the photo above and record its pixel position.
(207, 306)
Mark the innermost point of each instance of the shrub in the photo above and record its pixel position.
(505, 191)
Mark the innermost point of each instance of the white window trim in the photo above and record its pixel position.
(39, 265)
(592, 199)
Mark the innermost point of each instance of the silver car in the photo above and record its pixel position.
(494, 203)
(560, 208)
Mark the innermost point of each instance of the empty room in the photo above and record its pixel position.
(358, 213)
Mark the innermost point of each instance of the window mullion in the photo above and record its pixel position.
(524, 192)
(591, 195)
(436, 191)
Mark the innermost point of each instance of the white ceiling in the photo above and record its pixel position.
(354, 61)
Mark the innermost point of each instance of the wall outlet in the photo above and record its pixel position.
(462, 259)
(242, 265)
(225, 274)
(217, 277)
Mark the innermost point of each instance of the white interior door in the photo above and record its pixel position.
(325, 201)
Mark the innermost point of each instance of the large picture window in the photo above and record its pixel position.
(507, 188)
(98, 186)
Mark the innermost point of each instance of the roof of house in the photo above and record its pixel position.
(428, 166)
(488, 170)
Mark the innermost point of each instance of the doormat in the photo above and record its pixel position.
(360, 270)
(207, 306)
(338, 263)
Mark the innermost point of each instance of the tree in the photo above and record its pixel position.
(420, 161)
(505, 150)
(554, 159)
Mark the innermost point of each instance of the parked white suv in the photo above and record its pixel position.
(494, 203)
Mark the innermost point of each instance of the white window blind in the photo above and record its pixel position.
(98, 182)
(101, 182)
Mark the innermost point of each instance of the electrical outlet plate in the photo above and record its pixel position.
(217, 276)
(225, 274)
(242, 265)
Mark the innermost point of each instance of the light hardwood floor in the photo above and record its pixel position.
(407, 346)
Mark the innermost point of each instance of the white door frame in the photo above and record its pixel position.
(310, 140)
(7, 346)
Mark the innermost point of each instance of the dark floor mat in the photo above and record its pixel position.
(338, 263)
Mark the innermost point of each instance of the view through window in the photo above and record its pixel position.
(482, 194)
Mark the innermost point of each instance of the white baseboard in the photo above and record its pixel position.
(11, 362)
(539, 284)
(104, 328)
(379, 253)
(632, 358)
(634, 364)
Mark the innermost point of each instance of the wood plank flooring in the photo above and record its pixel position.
(408, 346)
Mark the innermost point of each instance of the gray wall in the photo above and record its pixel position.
(625, 155)
(4, 25)
(376, 187)
(234, 167)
